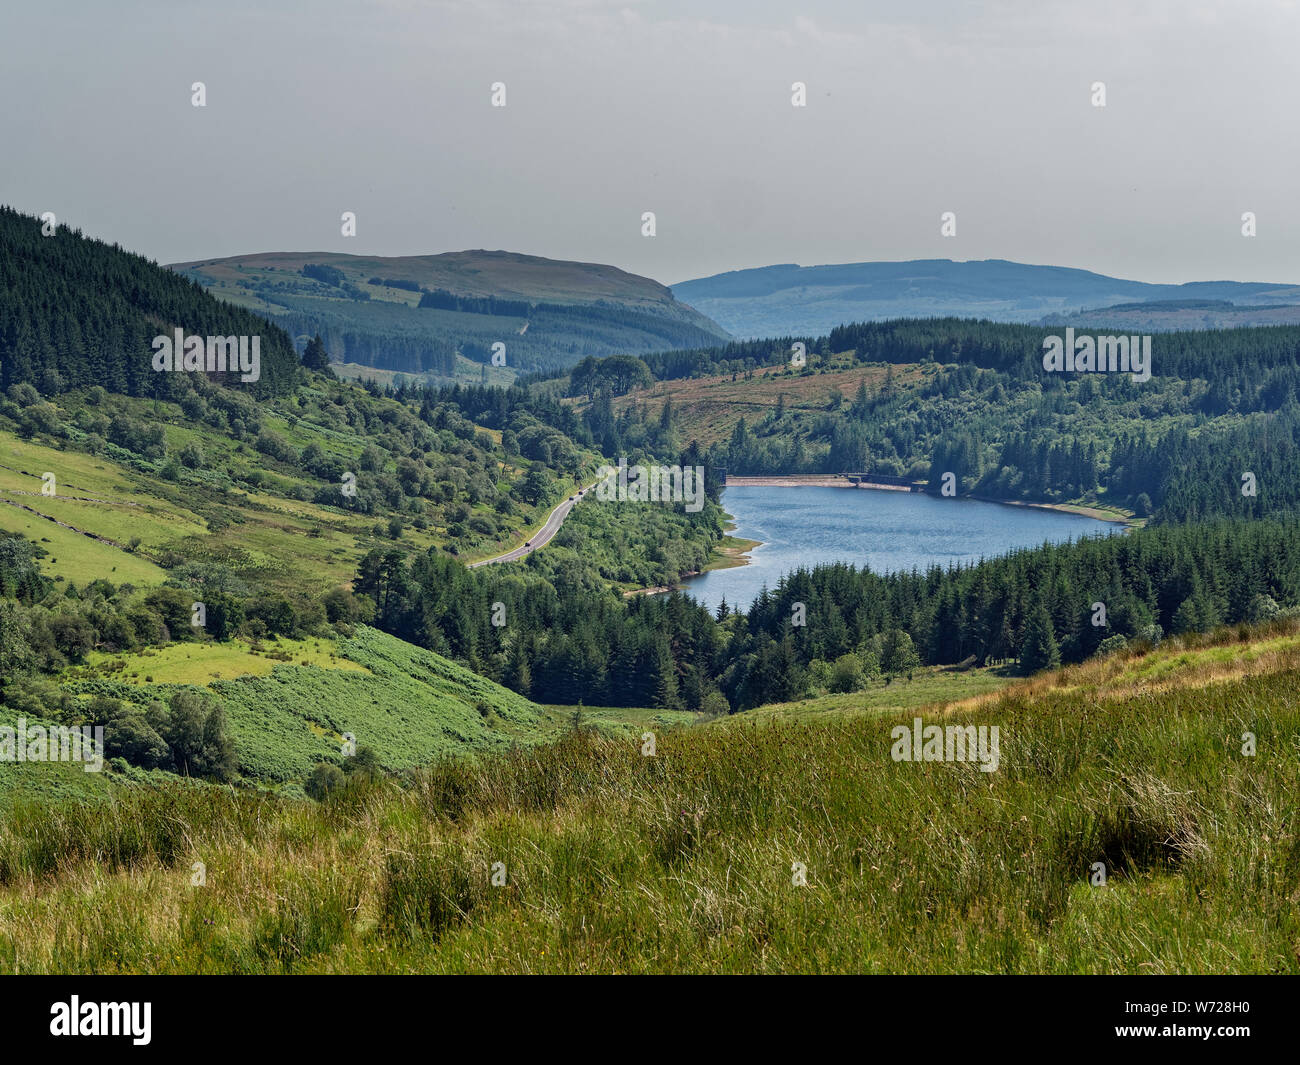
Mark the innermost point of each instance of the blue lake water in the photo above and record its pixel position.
(887, 531)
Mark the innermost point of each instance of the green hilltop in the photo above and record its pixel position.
(437, 317)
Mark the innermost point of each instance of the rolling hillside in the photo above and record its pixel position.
(288, 704)
(172, 545)
(797, 300)
(972, 398)
(1162, 316)
(266, 505)
(408, 705)
(787, 842)
(415, 314)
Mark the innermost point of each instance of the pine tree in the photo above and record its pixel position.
(315, 357)
(861, 401)
(665, 690)
(1039, 649)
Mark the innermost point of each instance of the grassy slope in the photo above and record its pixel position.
(683, 862)
(47, 782)
(137, 509)
(410, 705)
(708, 408)
(288, 543)
(468, 372)
(203, 663)
(928, 688)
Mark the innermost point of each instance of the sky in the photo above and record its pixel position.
(384, 108)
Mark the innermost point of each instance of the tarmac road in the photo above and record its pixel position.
(543, 536)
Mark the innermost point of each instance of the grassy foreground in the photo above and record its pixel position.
(614, 861)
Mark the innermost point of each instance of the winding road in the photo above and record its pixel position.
(543, 535)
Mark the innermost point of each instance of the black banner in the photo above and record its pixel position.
(226, 1015)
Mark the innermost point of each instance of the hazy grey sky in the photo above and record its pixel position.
(615, 108)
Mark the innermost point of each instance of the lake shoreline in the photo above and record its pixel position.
(1104, 514)
(814, 480)
(1110, 515)
(730, 552)
(733, 552)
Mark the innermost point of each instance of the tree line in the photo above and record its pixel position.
(565, 637)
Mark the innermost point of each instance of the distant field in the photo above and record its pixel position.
(468, 372)
(127, 506)
(708, 408)
(77, 473)
(78, 558)
(617, 721)
(203, 663)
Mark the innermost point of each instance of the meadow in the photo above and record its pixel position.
(772, 843)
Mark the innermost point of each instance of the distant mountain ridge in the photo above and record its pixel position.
(791, 299)
(421, 314)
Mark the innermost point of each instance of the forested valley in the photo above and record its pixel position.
(972, 399)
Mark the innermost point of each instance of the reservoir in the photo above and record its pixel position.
(886, 531)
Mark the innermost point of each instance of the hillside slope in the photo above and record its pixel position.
(264, 504)
(408, 705)
(791, 299)
(413, 314)
(918, 398)
(771, 846)
(1162, 316)
(76, 312)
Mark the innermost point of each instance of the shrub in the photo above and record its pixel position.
(1111, 644)
(323, 781)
